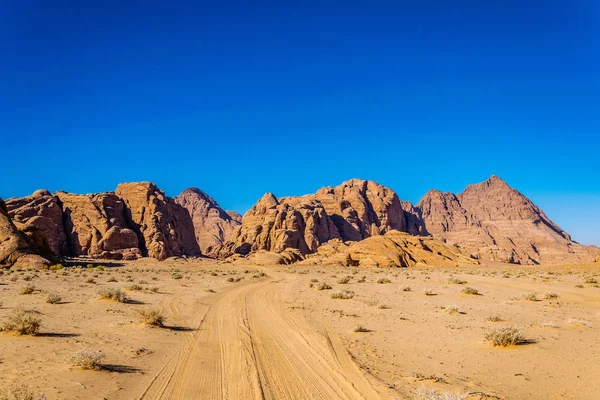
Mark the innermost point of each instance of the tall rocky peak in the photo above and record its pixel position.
(493, 221)
(164, 228)
(213, 226)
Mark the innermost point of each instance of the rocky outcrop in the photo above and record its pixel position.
(212, 225)
(360, 209)
(15, 250)
(40, 217)
(163, 227)
(493, 221)
(394, 249)
(276, 225)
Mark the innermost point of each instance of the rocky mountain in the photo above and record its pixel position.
(492, 221)
(15, 250)
(213, 226)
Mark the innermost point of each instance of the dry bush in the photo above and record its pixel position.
(28, 289)
(384, 307)
(177, 275)
(429, 292)
(423, 393)
(16, 392)
(406, 289)
(323, 286)
(456, 281)
(550, 324)
(505, 336)
(113, 294)
(590, 280)
(53, 298)
(112, 279)
(383, 280)
(56, 267)
(22, 322)
(494, 318)
(343, 295)
(550, 296)
(360, 328)
(135, 286)
(470, 290)
(579, 321)
(530, 297)
(451, 309)
(87, 359)
(344, 281)
(152, 317)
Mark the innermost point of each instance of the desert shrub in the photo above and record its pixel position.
(152, 317)
(406, 289)
(343, 295)
(53, 298)
(87, 359)
(384, 307)
(590, 280)
(91, 280)
(112, 279)
(451, 309)
(362, 279)
(530, 297)
(429, 292)
(323, 286)
(177, 275)
(100, 268)
(16, 392)
(22, 322)
(470, 290)
(550, 324)
(383, 280)
(154, 289)
(27, 289)
(456, 281)
(423, 393)
(550, 296)
(113, 294)
(505, 336)
(360, 328)
(579, 321)
(494, 318)
(134, 287)
(143, 282)
(56, 267)
(344, 280)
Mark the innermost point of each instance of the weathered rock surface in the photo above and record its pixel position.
(394, 249)
(15, 250)
(213, 226)
(289, 223)
(164, 228)
(40, 217)
(493, 221)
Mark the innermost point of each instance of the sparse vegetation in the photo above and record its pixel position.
(27, 289)
(176, 275)
(530, 297)
(323, 286)
(494, 318)
(423, 393)
(550, 296)
(456, 281)
(505, 336)
(343, 295)
(152, 317)
(429, 292)
(135, 286)
(344, 280)
(470, 290)
(383, 280)
(87, 359)
(451, 309)
(360, 328)
(579, 321)
(113, 294)
(53, 298)
(406, 289)
(16, 392)
(22, 322)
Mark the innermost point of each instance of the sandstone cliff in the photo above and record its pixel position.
(213, 226)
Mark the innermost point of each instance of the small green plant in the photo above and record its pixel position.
(56, 267)
(53, 298)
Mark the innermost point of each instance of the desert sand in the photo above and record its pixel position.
(235, 331)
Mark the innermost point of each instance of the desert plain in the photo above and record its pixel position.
(246, 331)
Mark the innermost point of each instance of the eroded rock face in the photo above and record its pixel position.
(15, 251)
(493, 221)
(163, 227)
(212, 225)
(394, 249)
(360, 209)
(40, 217)
(290, 223)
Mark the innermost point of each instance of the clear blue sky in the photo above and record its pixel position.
(240, 98)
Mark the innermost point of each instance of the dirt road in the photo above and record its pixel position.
(249, 346)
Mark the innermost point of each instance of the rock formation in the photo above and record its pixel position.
(394, 249)
(493, 221)
(212, 225)
(15, 250)
(290, 223)
(163, 227)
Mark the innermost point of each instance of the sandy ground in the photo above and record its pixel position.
(245, 332)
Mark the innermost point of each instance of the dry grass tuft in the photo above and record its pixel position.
(152, 317)
(505, 336)
(16, 392)
(550, 296)
(343, 295)
(360, 328)
(423, 393)
(87, 359)
(324, 286)
(113, 294)
(22, 322)
(470, 290)
(27, 289)
(383, 281)
(494, 318)
(53, 298)
(530, 297)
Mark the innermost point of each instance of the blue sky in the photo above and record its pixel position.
(247, 97)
